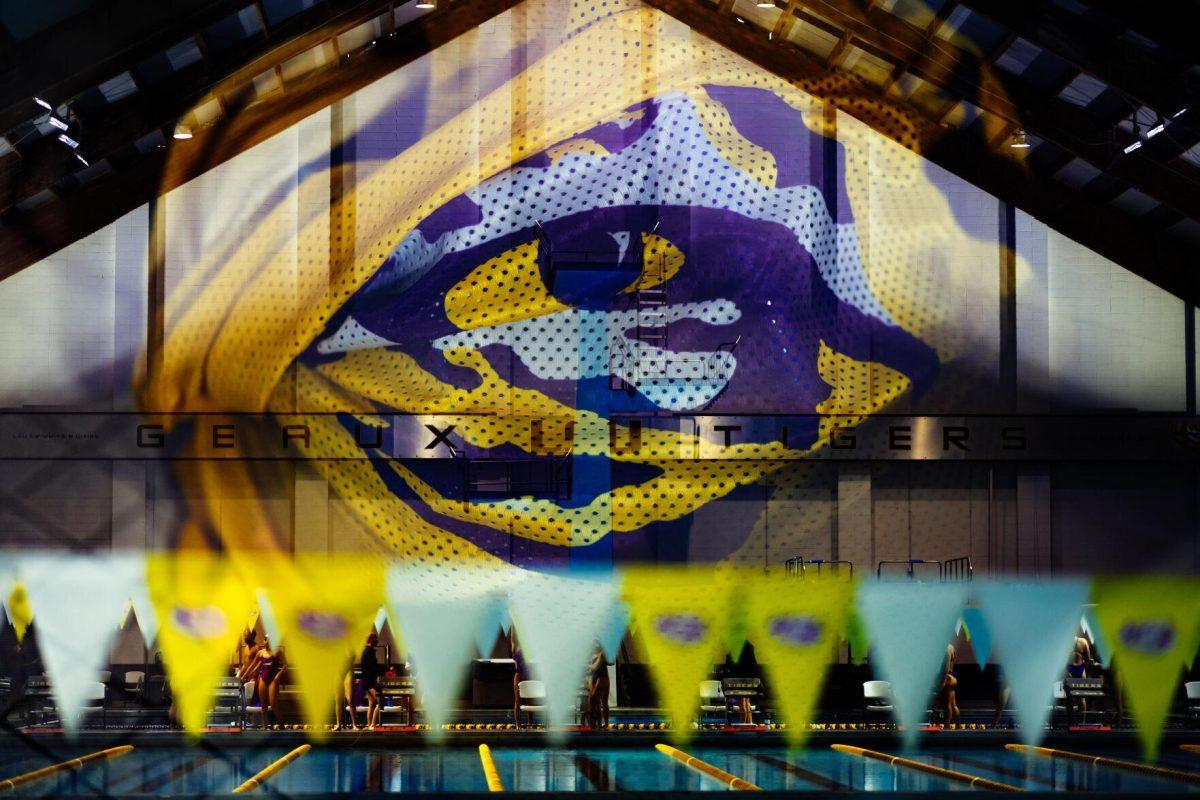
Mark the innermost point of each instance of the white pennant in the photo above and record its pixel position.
(491, 625)
(76, 599)
(559, 621)
(1033, 630)
(909, 625)
(438, 612)
(380, 619)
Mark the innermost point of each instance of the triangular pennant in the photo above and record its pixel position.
(558, 622)
(613, 632)
(795, 626)
(978, 634)
(438, 613)
(1091, 626)
(681, 614)
(20, 614)
(910, 625)
(201, 605)
(143, 610)
(77, 599)
(1033, 627)
(856, 636)
(325, 606)
(1151, 624)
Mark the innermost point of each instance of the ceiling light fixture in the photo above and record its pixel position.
(1133, 146)
(43, 104)
(83, 160)
(182, 131)
(766, 3)
(1020, 140)
(430, 4)
(1179, 113)
(68, 141)
(1156, 130)
(55, 122)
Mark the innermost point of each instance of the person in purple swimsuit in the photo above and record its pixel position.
(266, 668)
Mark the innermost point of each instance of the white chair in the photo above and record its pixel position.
(712, 700)
(94, 701)
(534, 691)
(1192, 689)
(877, 697)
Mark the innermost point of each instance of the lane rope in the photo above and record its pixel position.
(261, 778)
(1115, 763)
(730, 781)
(975, 781)
(8, 784)
(490, 773)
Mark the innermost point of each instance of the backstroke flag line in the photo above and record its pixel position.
(438, 614)
(910, 625)
(795, 626)
(202, 607)
(1151, 625)
(77, 598)
(559, 621)
(1033, 628)
(325, 605)
(681, 619)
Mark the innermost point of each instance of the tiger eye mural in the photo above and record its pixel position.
(636, 227)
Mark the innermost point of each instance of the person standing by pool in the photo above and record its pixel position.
(267, 669)
(949, 688)
(598, 687)
(368, 665)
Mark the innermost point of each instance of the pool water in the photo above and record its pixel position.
(189, 771)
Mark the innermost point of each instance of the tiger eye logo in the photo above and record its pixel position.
(798, 630)
(324, 625)
(1149, 637)
(203, 622)
(682, 628)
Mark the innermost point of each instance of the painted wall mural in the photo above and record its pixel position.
(635, 227)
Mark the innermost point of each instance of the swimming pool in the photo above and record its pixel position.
(207, 769)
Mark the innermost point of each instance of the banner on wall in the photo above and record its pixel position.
(1033, 626)
(910, 625)
(325, 606)
(795, 626)
(559, 621)
(438, 614)
(681, 618)
(16, 605)
(977, 634)
(202, 606)
(1091, 627)
(1153, 626)
(77, 599)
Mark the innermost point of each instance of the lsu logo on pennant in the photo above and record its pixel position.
(798, 630)
(682, 628)
(324, 625)
(203, 622)
(1149, 637)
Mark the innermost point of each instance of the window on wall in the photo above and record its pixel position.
(1091, 334)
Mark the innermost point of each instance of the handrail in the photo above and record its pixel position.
(910, 564)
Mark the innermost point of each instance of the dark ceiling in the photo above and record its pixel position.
(1107, 94)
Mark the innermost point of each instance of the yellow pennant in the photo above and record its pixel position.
(1151, 624)
(202, 605)
(795, 625)
(325, 605)
(682, 615)
(20, 613)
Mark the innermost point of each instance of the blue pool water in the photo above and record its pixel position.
(187, 771)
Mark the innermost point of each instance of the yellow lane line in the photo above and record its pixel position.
(1116, 763)
(9, 784)
(731, 781)
(949, 774)
(490, 773)
(261, 778)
